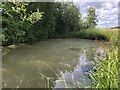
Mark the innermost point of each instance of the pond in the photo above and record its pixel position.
(50, 63)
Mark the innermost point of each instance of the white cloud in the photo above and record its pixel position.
(84, 15)
(114, 10)
(107, 12)
(101, 22)
(107, 5)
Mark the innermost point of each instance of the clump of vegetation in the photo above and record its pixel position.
(30, 21)
(16, 22)
(106, 75)
(98, 34)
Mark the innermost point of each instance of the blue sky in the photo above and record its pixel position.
(107, 12)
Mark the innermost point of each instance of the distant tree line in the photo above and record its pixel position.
(118, 27)
(34, 21)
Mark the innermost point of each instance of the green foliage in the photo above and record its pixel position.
(59, 19)
(16, 22)
(98, 34)
(36, 16)
(46, 27)
(91, 18)
(33, 21)
(107, 70)
(69, 19)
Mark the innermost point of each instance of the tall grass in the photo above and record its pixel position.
(98, 34)
(107, 70)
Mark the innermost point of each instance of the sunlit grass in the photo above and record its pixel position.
(99, 34)
(107, 70)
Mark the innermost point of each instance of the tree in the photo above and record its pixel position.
(59, 19)
(91, 19)
(68, 20)
(16, 23)
(33, 21)
(46, 27)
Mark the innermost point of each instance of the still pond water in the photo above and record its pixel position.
(57, 63)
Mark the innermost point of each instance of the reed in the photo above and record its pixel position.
(107, 70)
(99, 34)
